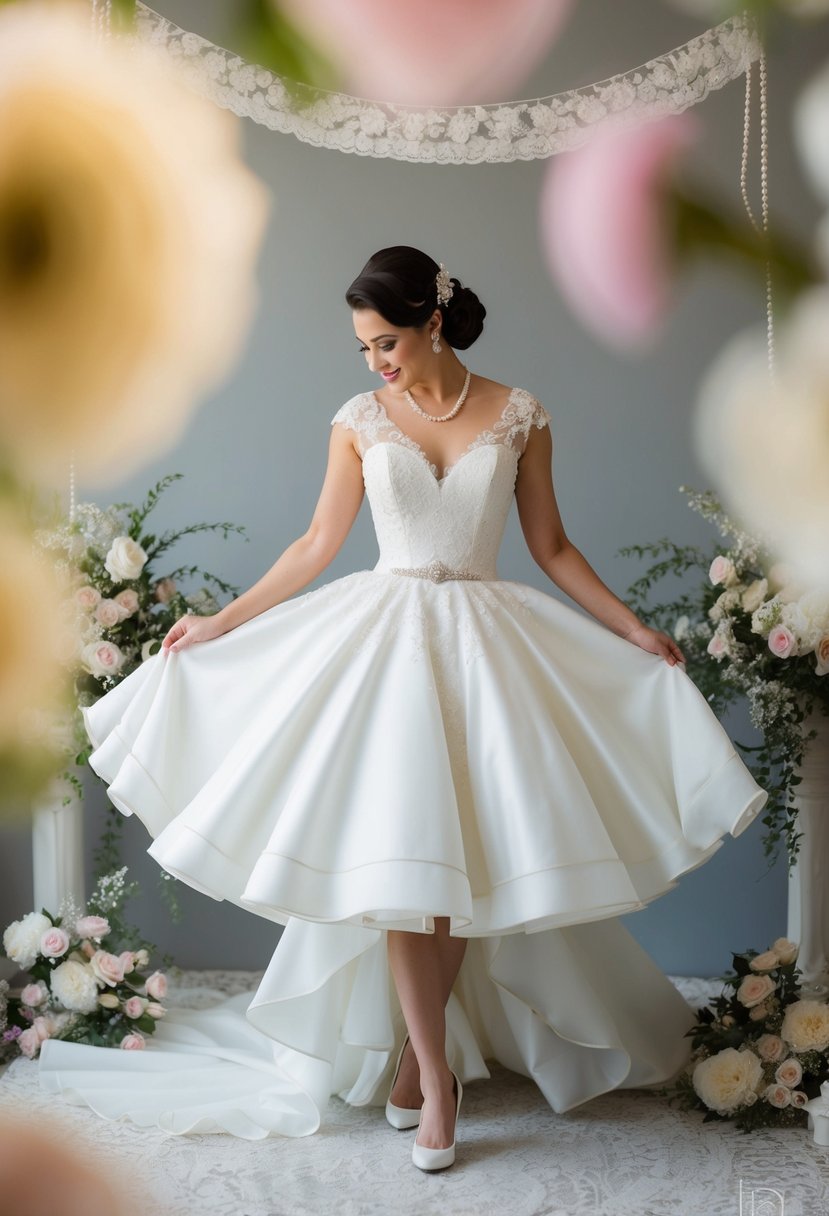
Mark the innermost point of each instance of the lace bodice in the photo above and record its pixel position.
(457, 519)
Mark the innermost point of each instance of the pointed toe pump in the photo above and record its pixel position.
(438, 1158)
(401, 1117)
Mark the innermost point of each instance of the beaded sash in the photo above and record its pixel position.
(437, 571)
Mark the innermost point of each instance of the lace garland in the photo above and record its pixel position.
(523, 130)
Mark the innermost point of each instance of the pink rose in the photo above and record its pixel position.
(770, 1047)
(87, 597)
(128, 960)
(781, 641)
(34, 994)
(134, 1007)
(798, 1098)
(107, 967)
(718, 646)
(132, 1042)
(102, 658)
(399, 51)
(777, 1095)
(128, 600)
(604, 214)
(789, 1073)
(92, 926)
(108, 613)
(722, 571)
(155, 1011)
(54, 942)
(157, 986)
(42, 1028)
(165, 589)
(29, 1043)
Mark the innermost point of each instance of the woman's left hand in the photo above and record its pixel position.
(657, 642)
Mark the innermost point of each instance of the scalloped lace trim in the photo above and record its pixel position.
(523, 130)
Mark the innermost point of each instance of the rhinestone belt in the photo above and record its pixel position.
(436, 571)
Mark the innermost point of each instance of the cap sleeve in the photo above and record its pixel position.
(348, 414)
(538, 415)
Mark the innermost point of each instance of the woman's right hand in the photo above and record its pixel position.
(189, 629)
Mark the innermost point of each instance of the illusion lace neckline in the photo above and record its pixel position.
(400, 436)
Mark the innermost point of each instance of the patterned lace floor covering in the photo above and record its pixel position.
(626, 1153)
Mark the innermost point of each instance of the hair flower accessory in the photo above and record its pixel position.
(444, 286)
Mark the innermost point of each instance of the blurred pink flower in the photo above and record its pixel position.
(781, 642)
(605, 226)
(133, 1042)
(427, 52)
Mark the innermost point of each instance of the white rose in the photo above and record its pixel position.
(74, 985)
(102, 658)
(811, 617)
(755, 594)
(125, 559)
(21, 941)
(681, 628)
(725, 1080)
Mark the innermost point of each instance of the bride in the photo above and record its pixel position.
(444, 784)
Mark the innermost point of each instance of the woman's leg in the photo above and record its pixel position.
(424, 967)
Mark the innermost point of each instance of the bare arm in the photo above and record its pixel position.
(299, 564)
(562, 562)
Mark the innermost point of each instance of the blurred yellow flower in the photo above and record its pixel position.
(129, 229)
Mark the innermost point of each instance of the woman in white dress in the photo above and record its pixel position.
(423, 753)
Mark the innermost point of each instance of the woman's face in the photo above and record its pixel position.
(398, 353)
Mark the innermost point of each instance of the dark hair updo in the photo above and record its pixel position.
(400, 284)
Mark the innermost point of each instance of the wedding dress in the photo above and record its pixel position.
(419, 739)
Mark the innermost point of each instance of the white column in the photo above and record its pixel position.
(57, 848)
(808, 921)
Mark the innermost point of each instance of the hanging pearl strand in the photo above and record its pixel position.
(763, 227)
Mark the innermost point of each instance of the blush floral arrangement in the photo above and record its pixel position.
(120, 607)
(87, 977)
(760, 1051)
(749, 630)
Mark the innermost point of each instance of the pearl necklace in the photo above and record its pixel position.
(443, 417)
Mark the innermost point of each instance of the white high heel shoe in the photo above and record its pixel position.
(401, 1117)
(438, 1158)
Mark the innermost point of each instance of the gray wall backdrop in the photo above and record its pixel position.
(255, 452)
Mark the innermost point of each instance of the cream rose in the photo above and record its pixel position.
(822, 655)
(766, 961)
(54, 942)
(754, 989)
(754, 594)
(724, 1081)
(125, 560)
(142, 204)
(785, 950)
(108, 1000)
(798, 1097)
(770, 1047)
(811, 617)
(789, 1073)
(21, 941)
(87, 597)
(777, 1095)
(75, 987)
(806, 1026)
(107, 967)
(102, 658)
(155, 1010)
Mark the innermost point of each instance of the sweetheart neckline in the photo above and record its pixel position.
(413, 445)
(421, 456)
